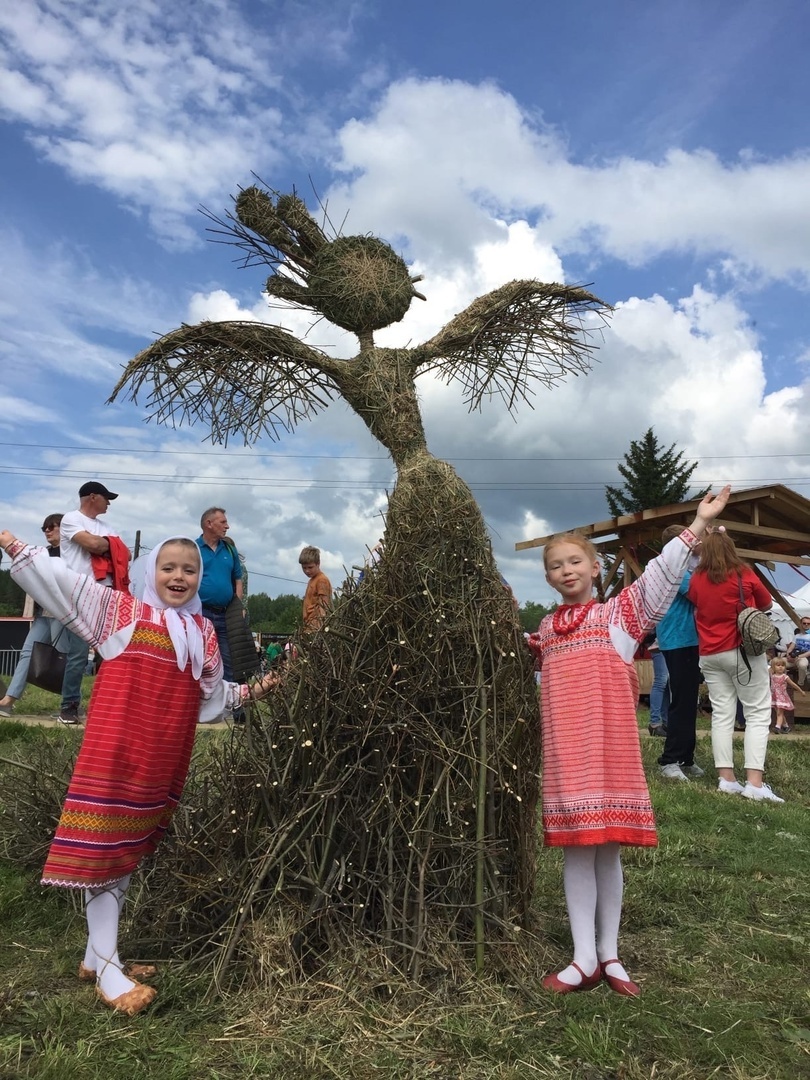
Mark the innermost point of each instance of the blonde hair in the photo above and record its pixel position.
(778, 661)
(575, 538)
(310, 555)
(585, 545)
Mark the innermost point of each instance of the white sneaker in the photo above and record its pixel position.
(692, 770)
(673, 772)
(730, 787)
(759, 794)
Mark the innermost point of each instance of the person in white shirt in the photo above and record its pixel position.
(82, 535)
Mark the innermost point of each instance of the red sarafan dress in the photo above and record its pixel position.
(141, 722)
(593, 786)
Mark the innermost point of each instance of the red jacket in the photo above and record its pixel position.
(114, 563)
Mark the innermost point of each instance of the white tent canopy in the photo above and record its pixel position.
(800, 602)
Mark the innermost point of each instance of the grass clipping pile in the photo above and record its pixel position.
(389, 789)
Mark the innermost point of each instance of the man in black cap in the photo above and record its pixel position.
(82, 535)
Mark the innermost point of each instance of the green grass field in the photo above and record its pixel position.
(715, 929)
(36, 702)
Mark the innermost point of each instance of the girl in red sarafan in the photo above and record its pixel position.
(594, 793)
(161, 669)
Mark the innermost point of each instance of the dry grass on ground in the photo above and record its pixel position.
(715, 928)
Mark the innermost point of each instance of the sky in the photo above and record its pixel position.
(658, 153)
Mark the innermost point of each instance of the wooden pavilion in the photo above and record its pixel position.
(768, 524)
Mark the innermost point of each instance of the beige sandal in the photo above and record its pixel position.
(132, 971)
(132, 1002)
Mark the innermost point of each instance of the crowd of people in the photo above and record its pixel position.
(91, 547)
(170, 662)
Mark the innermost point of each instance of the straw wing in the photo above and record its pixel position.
(242, 378)
(519, 334)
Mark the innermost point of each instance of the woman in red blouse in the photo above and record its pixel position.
(715, 592)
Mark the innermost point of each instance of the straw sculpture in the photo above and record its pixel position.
(388, 789)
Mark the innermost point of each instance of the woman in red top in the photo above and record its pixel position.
(715, 592)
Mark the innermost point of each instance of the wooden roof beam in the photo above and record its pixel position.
(763, 530)
(611, 575)
(748, 499)
(599, 528)
(772, 556)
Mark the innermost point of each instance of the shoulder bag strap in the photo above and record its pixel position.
(741, 647)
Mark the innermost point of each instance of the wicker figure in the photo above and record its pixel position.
(390, 786)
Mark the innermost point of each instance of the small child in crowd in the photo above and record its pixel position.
(780, 698)
(594, 795)
(318, 596)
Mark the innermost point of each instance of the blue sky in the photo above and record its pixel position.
(660, 152)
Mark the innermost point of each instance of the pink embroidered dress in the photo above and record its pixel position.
(141, 722)
(593, 786)
(780, 698)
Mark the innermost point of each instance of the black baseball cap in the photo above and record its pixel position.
(93, 487)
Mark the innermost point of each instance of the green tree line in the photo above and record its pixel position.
(268, 615)
(282, 615)
(12, 598)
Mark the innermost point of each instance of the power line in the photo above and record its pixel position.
(287, 483)
(362, 457)
(296, 482)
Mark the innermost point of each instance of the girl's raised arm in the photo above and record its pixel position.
(92, 611)
(710, 507)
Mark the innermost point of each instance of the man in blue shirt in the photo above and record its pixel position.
(221, 579)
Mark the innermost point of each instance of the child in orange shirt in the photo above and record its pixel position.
(318, 596)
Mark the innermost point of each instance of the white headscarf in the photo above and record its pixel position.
(186, 635)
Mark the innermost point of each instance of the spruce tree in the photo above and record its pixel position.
(654, 477)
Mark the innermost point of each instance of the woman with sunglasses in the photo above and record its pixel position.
(43, 628)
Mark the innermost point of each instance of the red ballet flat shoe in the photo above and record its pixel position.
(553, 983)
(626, 987)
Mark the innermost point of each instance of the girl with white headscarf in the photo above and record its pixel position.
(161, 664)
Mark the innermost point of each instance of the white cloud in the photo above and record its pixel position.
(15, 411)
(162, 107)
(438, 160)
(470, 186)
(54, 300)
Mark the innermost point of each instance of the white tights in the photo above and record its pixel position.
(592, 877)
(102, 906)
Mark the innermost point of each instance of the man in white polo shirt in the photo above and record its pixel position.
(82, 535)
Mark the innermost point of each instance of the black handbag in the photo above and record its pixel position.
(46, 668)
(245, 660)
